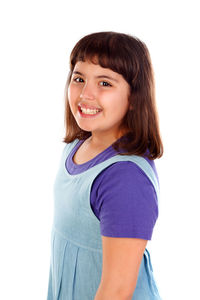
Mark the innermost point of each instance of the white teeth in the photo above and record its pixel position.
(89, 111)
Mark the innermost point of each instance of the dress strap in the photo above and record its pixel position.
(69, 146)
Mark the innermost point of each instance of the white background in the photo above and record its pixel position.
(36, 40)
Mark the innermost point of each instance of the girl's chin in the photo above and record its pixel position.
(86, 128)
(89, 127)
(86, 124)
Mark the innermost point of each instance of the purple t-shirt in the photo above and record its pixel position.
(122, 196)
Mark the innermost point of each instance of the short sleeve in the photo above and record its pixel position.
(125, 202)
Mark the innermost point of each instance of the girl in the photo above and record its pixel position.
(106, 190)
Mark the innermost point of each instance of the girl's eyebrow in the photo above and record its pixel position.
(100, 76)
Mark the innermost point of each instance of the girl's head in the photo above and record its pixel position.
(126, 60)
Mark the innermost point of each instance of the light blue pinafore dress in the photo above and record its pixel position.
(76, 243)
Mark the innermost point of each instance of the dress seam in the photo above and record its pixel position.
(81, 246)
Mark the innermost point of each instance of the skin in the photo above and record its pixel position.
(108, 94)
(121, 261)
(121, 256)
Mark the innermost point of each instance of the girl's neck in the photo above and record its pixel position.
(103, 141)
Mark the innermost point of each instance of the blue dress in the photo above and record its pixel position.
(76, 242)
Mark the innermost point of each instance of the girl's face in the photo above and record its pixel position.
(98, 98)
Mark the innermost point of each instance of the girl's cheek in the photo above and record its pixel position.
(73, 90)
(70, 92)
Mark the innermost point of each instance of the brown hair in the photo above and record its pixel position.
(128, 56)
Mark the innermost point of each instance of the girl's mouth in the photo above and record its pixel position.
(87, 112)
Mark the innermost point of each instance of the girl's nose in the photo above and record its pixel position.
(87, 92)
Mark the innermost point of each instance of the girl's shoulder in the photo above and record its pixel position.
(128, 172)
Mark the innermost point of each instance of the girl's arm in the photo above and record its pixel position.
(121, 262)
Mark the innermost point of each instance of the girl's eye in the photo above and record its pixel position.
(75, 79)
(102, 83)
(106, 83)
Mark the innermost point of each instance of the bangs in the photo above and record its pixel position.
(107, 51)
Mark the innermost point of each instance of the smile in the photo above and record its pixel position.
(87, 112)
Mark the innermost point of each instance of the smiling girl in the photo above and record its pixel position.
(106, 190)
